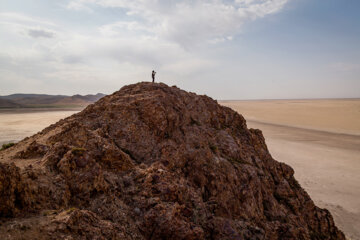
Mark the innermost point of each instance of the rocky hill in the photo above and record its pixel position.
(153, 162)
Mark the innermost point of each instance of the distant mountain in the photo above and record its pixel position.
(44, 100)
(5, 103)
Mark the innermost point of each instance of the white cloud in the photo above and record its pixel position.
(13, 17)
(106, 53)
(119, 27)
(191, 22)
(167, 35)
(23, 25)
(78, 6)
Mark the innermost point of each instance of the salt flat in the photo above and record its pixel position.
(16, 124)
(320, 140)
(333, 115)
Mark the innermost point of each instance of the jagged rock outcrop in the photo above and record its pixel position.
(153, 162)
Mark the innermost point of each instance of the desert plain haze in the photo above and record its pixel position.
(228, 49)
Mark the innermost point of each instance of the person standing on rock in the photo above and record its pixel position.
(153, 75)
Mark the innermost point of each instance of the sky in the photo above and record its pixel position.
(226, 49)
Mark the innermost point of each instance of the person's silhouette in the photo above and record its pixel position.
(153, 76)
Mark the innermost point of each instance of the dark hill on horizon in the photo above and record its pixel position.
(153, 162)
(6, 103)
(44, 100)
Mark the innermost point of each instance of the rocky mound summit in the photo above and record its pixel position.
(153, 162)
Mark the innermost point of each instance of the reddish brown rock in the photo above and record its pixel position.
(154, 162)
(10, 190)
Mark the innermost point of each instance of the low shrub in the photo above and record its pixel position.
(6, 146)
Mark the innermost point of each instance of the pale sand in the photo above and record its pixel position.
(18, 124)
(342, 116)
(326, 163)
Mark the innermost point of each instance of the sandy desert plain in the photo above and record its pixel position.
(320, 139)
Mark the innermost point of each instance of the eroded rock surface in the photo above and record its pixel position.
(153, 162)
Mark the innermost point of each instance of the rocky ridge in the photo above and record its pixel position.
(153, 162)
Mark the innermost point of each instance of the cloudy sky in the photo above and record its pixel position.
(227, 49)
